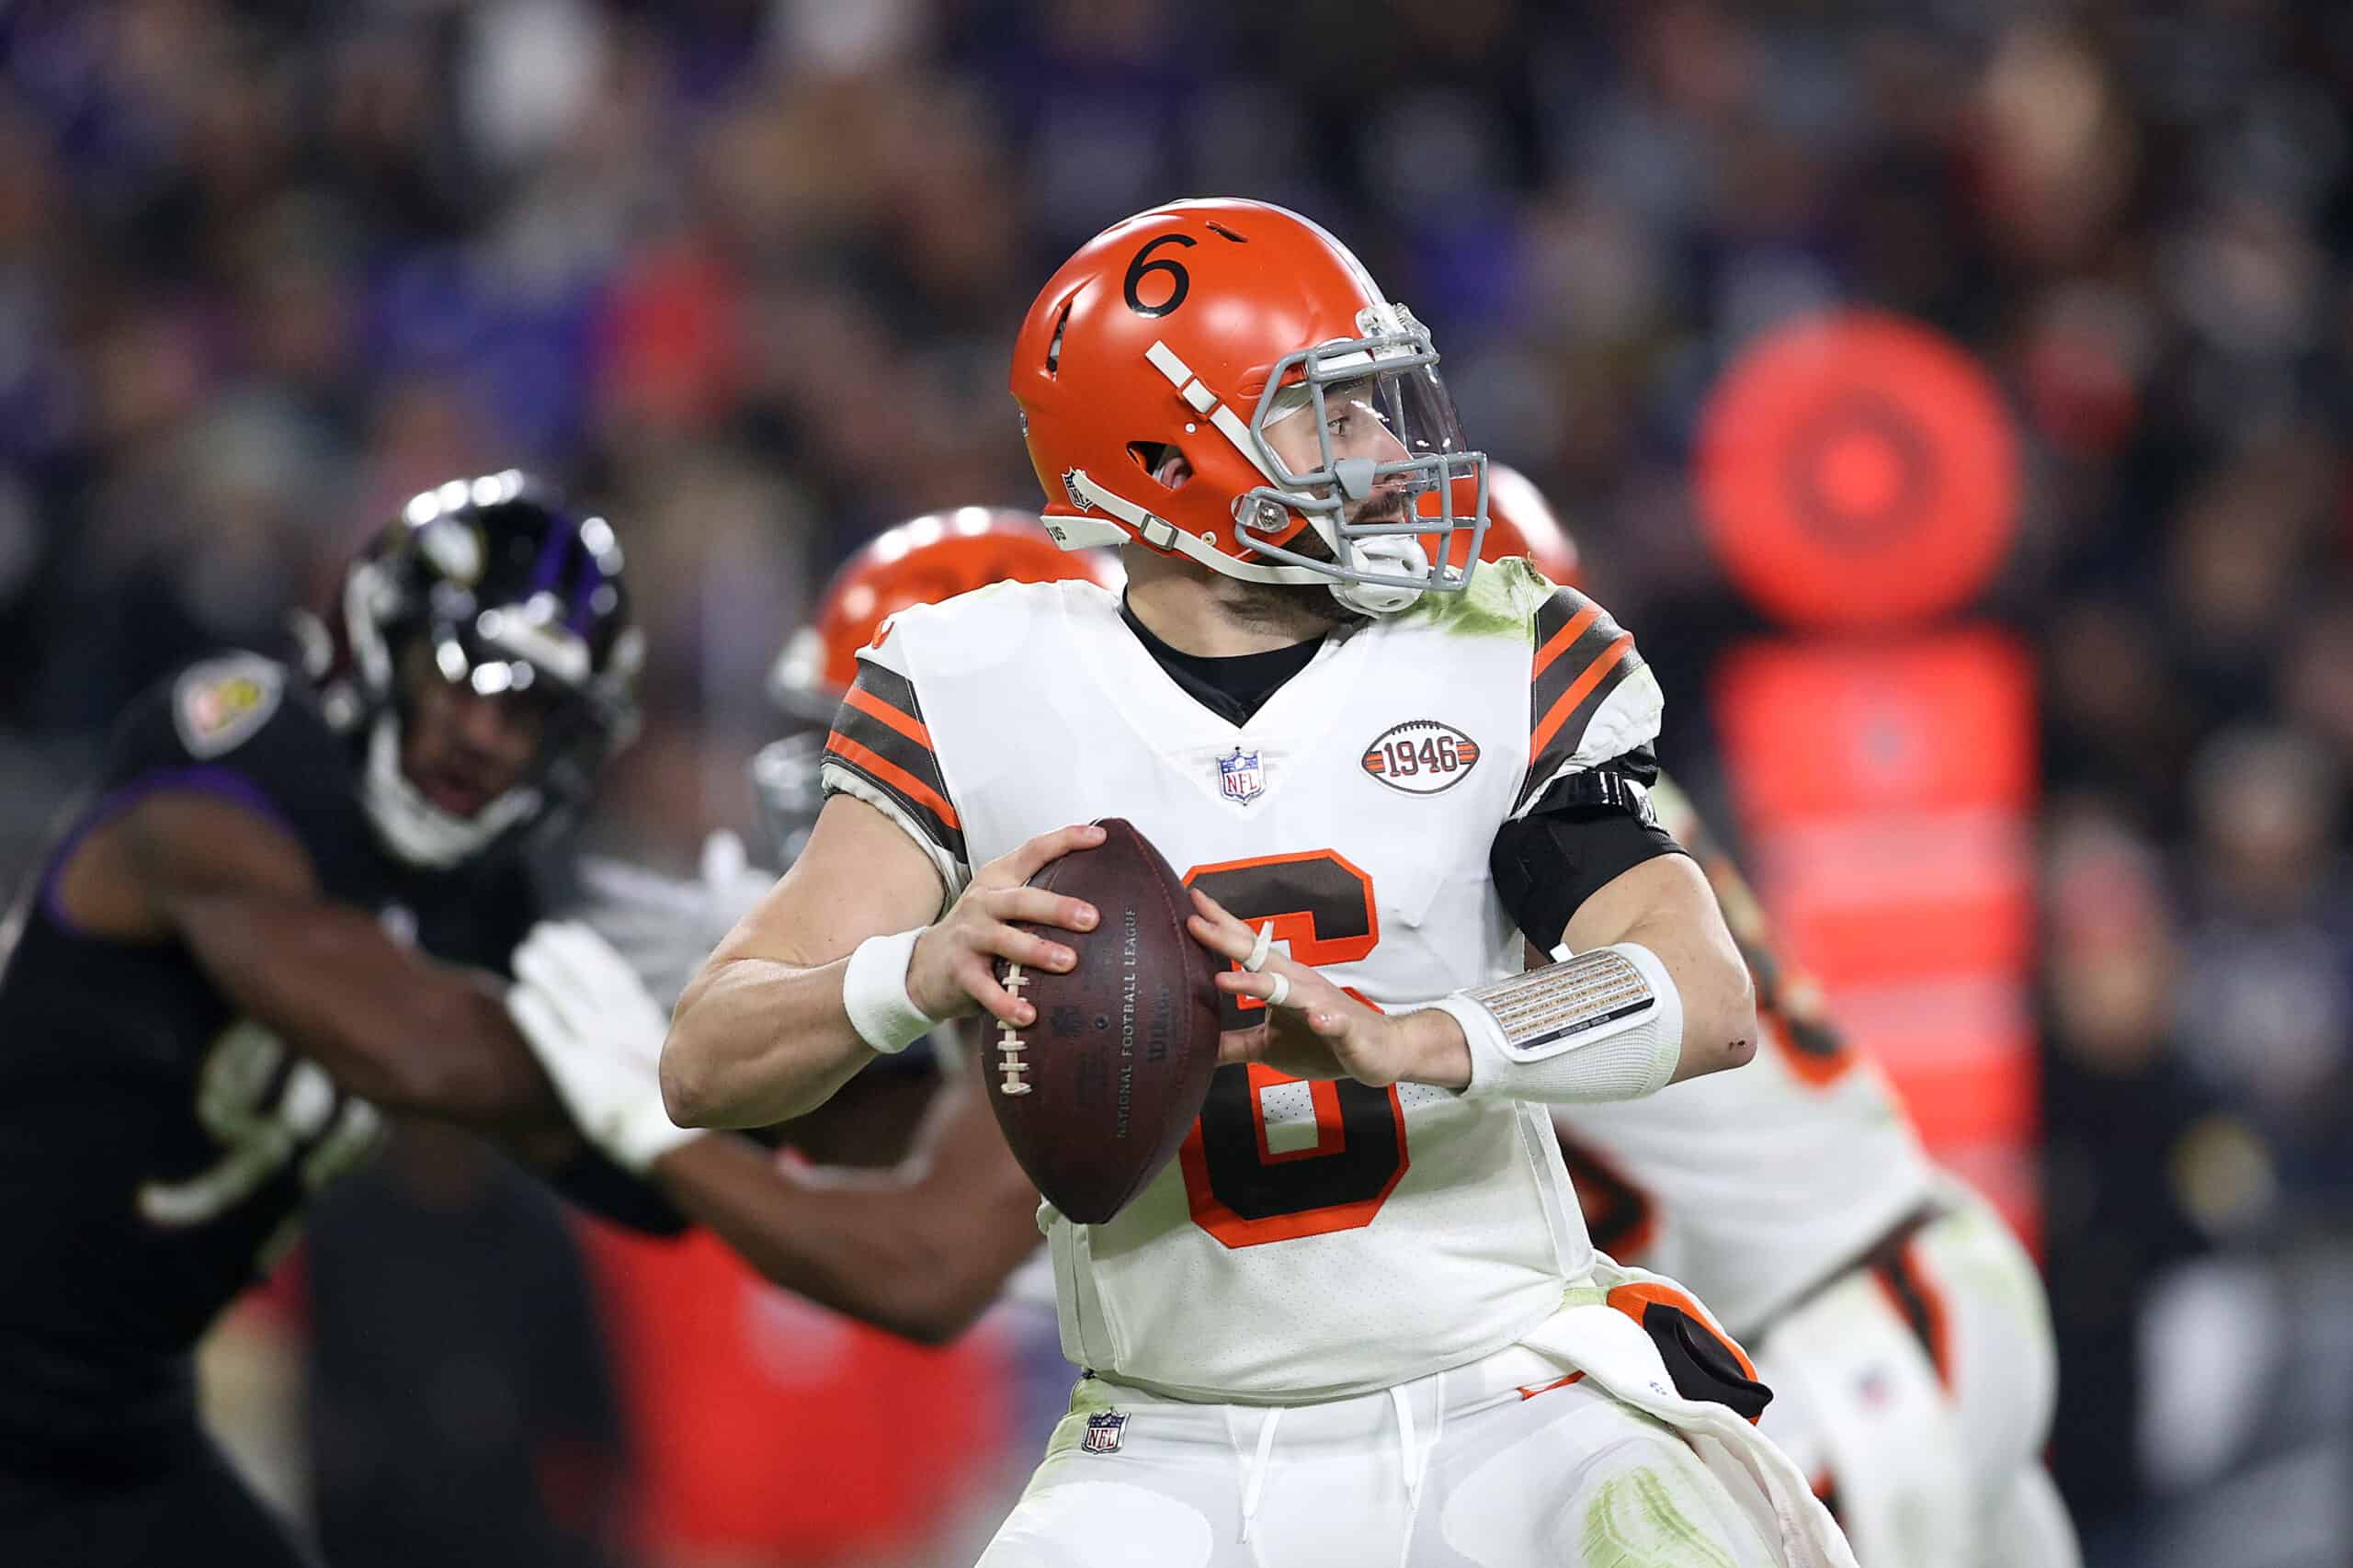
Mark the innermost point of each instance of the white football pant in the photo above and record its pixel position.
(1930, 1460)
(1499, 1464)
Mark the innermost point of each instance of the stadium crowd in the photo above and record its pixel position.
(746, 272)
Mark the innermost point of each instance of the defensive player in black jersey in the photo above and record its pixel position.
(285, 911)
(269, 925)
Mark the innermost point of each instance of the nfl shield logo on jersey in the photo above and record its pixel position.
(1239, 777)
(1103, 1430)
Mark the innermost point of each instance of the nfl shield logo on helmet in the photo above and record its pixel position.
(1103, 1430)
(1239, 777)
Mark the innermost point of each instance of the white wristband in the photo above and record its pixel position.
(1592, 1027)
(874, 993)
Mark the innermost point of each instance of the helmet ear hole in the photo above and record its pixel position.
(1167, 466)
(1055, 348)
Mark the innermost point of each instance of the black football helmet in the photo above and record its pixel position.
(510, 590)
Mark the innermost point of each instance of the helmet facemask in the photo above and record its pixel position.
(582, 720)
(1380, 560)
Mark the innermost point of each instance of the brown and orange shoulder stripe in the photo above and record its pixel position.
(878, 735)
(1580, 657)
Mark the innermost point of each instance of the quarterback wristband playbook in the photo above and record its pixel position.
(874, 993)
(1605, 1025)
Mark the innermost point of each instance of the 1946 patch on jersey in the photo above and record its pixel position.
(219, 704)
(1421, 756)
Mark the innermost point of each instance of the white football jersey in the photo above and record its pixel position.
(1750, 1187)
(1311, 1240)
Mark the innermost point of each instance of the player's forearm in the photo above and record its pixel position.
(1672, 947)
(841, 1247)
(1665, 906)
(1719, 1002)
(454, 1053)
(388, 1024)
(755, 1041)
(1608, 1023)
(921, 1252)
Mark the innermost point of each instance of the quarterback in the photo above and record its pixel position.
(1358, 1319)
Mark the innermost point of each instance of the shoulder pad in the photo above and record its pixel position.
(1591, 697)
(1498, 602)
(987, 626)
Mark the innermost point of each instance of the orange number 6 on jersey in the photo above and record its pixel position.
(1243, 1189)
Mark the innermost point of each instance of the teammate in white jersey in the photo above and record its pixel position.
(1358, 1319)
(1901, 1327)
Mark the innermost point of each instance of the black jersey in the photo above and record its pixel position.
(156, 1151)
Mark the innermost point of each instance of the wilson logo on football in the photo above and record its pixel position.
(1421, 756)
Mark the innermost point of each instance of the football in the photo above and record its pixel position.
(1096, 1094)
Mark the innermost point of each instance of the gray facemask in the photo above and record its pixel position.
(1386, 381)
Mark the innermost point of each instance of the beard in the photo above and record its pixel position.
(1299, 609)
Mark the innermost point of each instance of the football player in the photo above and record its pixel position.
(269, 925)
(1358, 1319)
(1901, 1327)
(281, 917)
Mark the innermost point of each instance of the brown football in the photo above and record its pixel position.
(1096, 1095)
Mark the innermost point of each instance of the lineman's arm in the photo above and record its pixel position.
(762, 1034)
(921, 1252)
(386, 1022)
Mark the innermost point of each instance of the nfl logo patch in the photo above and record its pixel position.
(1239, 777)
(1104, 1431)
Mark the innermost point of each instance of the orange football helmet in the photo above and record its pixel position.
(921, 561)
(1521, 522)
(1192, 330)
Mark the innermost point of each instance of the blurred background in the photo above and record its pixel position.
(744, 274)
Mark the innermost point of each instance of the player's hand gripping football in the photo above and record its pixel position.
(953, 969)
(1314, 1029)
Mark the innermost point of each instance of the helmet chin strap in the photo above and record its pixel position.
(413, 827)
(1399, 554)
(1162, 534)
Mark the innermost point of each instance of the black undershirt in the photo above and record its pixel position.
(1232, 685)
(1583, 833)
